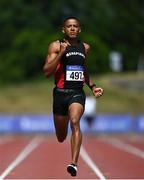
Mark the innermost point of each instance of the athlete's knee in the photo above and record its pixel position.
(75, 126)
(60, 138)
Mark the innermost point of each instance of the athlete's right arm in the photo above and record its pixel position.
(55, 52)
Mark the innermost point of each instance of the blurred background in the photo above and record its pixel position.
(115, 31)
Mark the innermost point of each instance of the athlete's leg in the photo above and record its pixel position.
(75, 112)
(61, 126)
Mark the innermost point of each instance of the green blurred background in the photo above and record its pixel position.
(28, 26)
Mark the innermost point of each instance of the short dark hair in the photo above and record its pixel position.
(71, 17)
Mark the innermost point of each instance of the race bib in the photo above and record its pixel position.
(74, 73)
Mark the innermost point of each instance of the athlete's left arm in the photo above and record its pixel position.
(97, 91)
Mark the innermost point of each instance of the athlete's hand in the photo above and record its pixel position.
(63, 46)
(97, 91)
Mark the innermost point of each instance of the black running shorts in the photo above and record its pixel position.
(62, 98)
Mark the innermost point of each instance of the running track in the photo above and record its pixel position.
(101, 157)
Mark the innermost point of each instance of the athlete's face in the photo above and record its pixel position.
(71, 28)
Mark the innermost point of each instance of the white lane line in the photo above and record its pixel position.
(26, 151)
(90, 163)
(125, 147)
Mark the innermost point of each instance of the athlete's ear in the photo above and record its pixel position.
(79, 30)
(63, 31)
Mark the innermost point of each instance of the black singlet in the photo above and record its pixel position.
(70, 71)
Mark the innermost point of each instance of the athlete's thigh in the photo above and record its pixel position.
(60, 105)
(75, 112)
(61, 124)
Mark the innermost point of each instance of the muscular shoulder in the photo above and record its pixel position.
(54, 47)
(87, 47)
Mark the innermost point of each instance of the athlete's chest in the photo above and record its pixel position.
(74, 55)
(74, 63)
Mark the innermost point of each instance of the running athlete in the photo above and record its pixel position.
(66, 59)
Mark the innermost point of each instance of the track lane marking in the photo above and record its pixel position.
(84, 155)
(125, 147)
(33, 144)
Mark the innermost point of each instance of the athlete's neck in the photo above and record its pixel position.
(70, 41)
